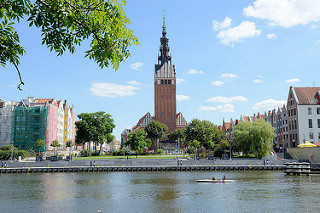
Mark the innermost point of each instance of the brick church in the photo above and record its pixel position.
(165, 107)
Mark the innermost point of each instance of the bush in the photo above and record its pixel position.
(86, 153)
(6, 154)
(218, 151)
(192, 150)
(204, 155)
(160, 152)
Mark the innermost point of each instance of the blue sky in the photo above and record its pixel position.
(232, 58)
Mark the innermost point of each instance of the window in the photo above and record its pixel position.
(169, 81)
(311, 135)
(309, 111)
(294, 111)
(318, 110)
(310, 123)
(318, 123)
(165, 82)
(161, 81)
(319, 136)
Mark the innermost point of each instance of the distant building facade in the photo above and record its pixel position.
(6, 114)
(35, 119)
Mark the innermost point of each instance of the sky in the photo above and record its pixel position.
(232, 58)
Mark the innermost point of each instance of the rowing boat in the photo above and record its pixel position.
(214, 181)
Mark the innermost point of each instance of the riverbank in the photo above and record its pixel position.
(178, 164)
(137, 168)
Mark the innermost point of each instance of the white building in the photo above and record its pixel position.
(303, 115)
(6, 113)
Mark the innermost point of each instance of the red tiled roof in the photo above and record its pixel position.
(228, 125)
(43, 100)
(306, 95)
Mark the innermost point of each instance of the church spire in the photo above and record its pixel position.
(164, 29)
(164, 47)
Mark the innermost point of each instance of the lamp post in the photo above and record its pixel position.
(11, 150)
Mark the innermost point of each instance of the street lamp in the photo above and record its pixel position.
(11, 150)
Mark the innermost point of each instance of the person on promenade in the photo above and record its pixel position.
(224, 178)
(213, 178)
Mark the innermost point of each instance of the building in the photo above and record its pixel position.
(6, 113)
(165, 85)
(124, 136)
(165, 110)
(303, 106)
(35, 119)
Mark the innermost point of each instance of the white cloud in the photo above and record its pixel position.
(180, 80)
(268, 104)
(193, 71)
(134, 83)
(285, 13)
(260, 76)
(220, 99)
(292, 80)
(257, 81)
(217, 83)
(272, 36)
(112, 90)
(136, 66)
(221, 25)
(182, 97)
(314, 26)
(228, 75)
(206, 108)
(226, 108)
(246, 29)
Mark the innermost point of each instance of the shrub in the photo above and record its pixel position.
(86, 153)
(160, 151)
(192, 150)
(218, 151)
(204, 155)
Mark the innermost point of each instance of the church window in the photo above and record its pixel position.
(161, 81)
(169, 81)
(165, 82)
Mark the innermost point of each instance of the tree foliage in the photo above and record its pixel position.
(138, 140)
(156, 130)
(205, 132)
(254, 138)
(40, 144)
(96, 127)
(64, 24)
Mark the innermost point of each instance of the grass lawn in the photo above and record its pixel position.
(132, 157)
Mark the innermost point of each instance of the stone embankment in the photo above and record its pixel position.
(130, 165)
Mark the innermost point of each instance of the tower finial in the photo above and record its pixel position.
(164, 30)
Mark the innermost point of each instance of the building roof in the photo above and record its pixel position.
(307, 95)
(43, 100)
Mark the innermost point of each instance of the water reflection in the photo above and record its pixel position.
(256, 191)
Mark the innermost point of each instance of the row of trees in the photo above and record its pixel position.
(249, 137)
(197, 134)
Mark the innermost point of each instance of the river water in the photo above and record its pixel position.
(252, 191)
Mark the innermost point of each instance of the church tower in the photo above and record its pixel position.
(165, 85)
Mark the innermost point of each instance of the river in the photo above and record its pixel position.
(252, 191)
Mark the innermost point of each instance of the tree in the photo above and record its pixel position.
(55, 144)
(205, 132)
(254, 138)
(96, 127)
(178, 134)
(65, 24)
(69, 143)
(156, 130)
(138, 140)
(40, 144)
